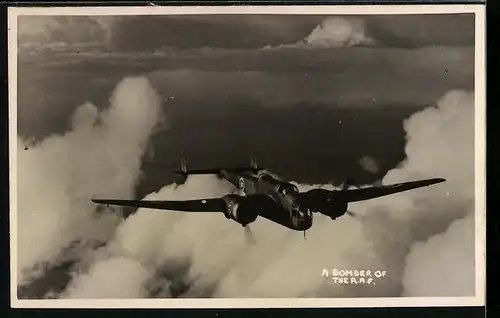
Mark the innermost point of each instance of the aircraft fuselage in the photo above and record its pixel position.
(282, 206)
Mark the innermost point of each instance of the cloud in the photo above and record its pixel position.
(333, 33)
(149, 237)
(70, 34)
(440, 140)
(440, 143)
(413, 31)
(101, 153)
(339, 32)
(446, 260)
(117, 285)
(246, 32)
(395, 77)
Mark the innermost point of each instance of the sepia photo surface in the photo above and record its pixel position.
(247, 157)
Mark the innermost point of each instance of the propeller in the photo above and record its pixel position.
(249, 238)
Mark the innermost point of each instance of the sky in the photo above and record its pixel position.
(107, 105)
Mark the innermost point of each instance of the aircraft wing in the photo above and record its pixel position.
(202, 205)
(354, 195)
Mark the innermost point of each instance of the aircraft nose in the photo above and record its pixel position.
(307, 212)
(304, 211)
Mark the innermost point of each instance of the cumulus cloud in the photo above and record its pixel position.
(440, 143)
(152, 238)
(117, 285)
(335, 32)
(446, 260)
(440, 140)
(101, 153)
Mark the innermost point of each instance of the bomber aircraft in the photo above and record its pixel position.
(263, 194)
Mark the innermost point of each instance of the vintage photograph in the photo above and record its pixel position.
(245, 155)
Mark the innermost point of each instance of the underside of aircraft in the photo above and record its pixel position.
(263, 194)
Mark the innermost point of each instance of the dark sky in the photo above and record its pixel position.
(257, 31)
(308, 95)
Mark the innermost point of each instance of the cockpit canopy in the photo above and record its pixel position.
(305, 212)
(296, 201)
(286, 188)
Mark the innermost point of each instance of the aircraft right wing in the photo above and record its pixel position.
(361, 194)
(202, 205)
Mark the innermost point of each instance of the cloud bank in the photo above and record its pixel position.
(447, 259)
(172, 254)
(57, 176)
(440, 143)
(247, 32)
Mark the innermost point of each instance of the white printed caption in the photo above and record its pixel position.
(364, 276)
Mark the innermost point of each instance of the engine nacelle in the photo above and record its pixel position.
(240, 209)
(334, 209)
(326, 202)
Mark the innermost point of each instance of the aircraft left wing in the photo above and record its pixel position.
(203, 205)
(361, 194)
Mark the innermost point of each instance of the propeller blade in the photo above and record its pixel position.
(352, 214)
(249, 238)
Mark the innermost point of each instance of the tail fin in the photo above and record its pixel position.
(184, 165)
(183, 172)
(347, 183)
(253, 163)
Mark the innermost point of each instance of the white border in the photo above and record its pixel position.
(480, 167)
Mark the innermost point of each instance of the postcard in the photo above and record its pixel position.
(247, 157)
